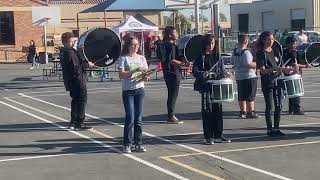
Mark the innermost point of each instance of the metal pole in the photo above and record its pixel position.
(196, 11)
(105, 19)
(78, 28)
(45, 42)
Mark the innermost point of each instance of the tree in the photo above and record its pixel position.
(182, 22)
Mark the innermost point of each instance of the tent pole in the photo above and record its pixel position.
(105, 19)
(142, 43)
(78, 28)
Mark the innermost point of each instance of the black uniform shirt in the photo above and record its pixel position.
(171, 53)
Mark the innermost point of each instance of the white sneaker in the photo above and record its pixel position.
(31, 67)
(37, 65)
(126, 149)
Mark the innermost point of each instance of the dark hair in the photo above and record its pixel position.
(33, 42)
(263, 36)
(242, 38)
(66, 36)
(126, 45)
(207, 39)
(290, 39)
(167, 33)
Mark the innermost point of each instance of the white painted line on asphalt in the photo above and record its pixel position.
(49, 156)
(90, 139)
(180, 145)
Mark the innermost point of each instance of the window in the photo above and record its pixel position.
(243, 21)
(298, 19)
(7, 36)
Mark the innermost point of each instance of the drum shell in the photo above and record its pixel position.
(190, 46)
(221, 90)
(99, 45)
(293, 86)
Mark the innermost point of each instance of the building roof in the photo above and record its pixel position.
(128, 5)
(75, 1)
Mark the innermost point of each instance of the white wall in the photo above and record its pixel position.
(280, 8)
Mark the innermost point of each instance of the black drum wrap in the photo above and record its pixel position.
(190, 46)
(309, 52)
(101, 46)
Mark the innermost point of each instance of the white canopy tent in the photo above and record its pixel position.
(132, 24)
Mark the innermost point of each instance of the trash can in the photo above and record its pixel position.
(43, 58)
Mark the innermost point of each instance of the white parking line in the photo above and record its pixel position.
(91, 139)
(49, 156)
(177, 144)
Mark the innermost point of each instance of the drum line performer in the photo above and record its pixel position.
(295, 63)
(172, 71)
(212, 116)
(75, 80)
(269, 63)
(245, 75)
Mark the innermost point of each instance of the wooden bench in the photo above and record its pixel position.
(47, 72)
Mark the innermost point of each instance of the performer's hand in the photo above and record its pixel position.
(91, 65)
(142, 69)
(188, 63)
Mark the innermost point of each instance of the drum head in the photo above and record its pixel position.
(313, 54)
(190, 46)
(101, 46)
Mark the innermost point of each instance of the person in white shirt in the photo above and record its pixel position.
(131, 64)
(301, 37)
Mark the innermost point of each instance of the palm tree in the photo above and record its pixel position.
(182, 22)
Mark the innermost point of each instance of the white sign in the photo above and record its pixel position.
(46, 16)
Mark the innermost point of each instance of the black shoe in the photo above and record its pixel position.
(70, 126)
(208, 142)
(222, 140)
(242, 114)
(299, 113)
(271, 134)
(82, 127)
(139, 148)
(278, 133)
(252, 115)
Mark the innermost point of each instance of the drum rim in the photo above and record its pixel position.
(292, 77)
(221, 81)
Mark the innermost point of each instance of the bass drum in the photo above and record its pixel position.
(101, 46)
(190, 47)
(309, 53)
(276, 45)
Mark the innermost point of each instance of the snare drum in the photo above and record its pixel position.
(221, 90)
(293, 86)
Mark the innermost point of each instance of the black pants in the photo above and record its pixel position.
(294, 104)
(173, 83)
(78, 104)
(212, 119)
(274, 93)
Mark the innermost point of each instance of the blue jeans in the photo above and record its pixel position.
(133, 105)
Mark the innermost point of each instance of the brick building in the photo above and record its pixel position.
(16, 29)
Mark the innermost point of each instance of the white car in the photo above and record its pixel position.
(313, 36)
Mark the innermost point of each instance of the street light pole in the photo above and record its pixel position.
(197, 19)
